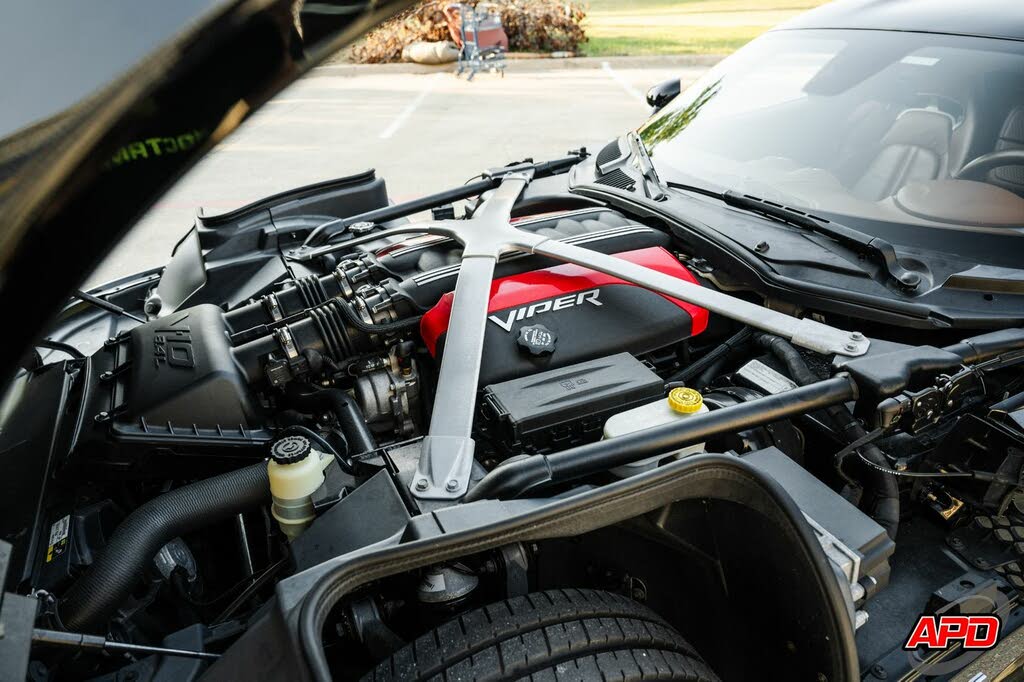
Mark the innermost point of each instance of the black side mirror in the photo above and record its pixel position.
(663, 93)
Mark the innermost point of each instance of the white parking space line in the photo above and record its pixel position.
(617, 77)
(404, 115)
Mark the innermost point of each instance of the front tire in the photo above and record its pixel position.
(553, 635)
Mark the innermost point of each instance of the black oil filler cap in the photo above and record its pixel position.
(537, 339)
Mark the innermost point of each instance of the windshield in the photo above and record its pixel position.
(886, 131)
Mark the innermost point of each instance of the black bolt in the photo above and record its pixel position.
(762, 247)
(879, 671)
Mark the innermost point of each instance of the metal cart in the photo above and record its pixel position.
(480, 36)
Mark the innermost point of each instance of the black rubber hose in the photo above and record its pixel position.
(711, 357)
(709, 373)
(789, 356)
(344, 407)
(884, 505)
(386, 328)
(312, 435)
(62, 347)
(94, 597)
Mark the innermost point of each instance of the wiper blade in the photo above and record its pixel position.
(854, 239)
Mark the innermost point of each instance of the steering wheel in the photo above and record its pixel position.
(976, 169)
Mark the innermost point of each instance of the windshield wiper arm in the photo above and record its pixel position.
(858, 241)
(652, 184)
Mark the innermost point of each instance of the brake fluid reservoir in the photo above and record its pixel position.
(681, 403)
(296, 470)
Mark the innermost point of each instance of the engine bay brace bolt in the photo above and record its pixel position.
(851, 346)
(422, 484)
(856, 336)
(362, 227)
(451, 486)
(910, 279)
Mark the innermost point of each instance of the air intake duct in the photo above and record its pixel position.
(343, 282)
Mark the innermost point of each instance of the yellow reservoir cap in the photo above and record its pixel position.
(685, 400)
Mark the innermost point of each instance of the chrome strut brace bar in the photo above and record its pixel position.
(446, 459)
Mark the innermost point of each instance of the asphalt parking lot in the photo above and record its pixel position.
(423, 132)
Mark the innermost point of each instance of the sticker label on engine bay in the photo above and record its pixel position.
(527, 311)
(58, 538)
(763, 377)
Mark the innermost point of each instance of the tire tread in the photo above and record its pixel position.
(571, 634)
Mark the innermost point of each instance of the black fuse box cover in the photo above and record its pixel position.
(562, 407)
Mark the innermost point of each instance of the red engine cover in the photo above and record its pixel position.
(560, 280)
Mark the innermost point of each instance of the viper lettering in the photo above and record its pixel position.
(560, 303)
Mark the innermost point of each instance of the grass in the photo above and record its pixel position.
(658, 27)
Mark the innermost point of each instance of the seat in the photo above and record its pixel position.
(1011, 136)
(916, 148)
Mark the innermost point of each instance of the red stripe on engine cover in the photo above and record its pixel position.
(538, 285)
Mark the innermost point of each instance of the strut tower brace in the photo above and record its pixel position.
(446, 459)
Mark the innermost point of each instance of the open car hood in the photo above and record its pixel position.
(113, 106)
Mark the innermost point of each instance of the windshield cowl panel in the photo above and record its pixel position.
(954, 292)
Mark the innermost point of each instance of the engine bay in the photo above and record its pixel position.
(295, 394)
